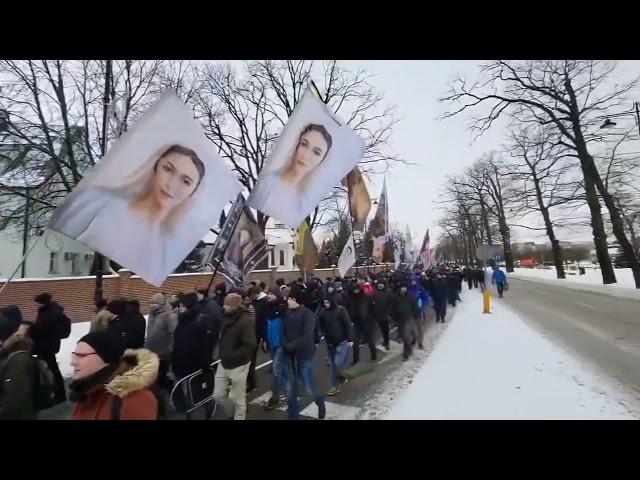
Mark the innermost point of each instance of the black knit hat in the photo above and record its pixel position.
(117, 307)
(43, 298)
(107, 344)
(189, 299)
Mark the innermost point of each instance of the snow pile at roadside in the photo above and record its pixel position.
(497, 367)
(591, 276)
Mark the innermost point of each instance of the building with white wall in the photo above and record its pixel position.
(281, 240)
(54, 255)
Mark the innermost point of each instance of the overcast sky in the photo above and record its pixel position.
(437, 147)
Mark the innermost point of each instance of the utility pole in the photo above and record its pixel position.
(99, 258)
(25, 233)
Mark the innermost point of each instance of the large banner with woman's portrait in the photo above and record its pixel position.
(154, 195)
(313, 153)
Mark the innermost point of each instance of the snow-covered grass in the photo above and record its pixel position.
(497, 367)
(591, 277)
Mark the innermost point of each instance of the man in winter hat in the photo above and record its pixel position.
(237, 344)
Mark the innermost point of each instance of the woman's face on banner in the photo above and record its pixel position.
(175, 180)
(311, 150)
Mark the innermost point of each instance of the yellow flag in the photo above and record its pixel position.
(302, 233)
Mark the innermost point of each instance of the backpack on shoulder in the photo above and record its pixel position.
(42, 381)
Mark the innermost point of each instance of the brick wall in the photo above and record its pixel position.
(76, 294)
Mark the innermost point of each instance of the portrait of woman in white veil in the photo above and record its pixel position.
(140, 219)
(153, 197)
(312, 154)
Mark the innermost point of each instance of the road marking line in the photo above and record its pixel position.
(335, 411)
(585, 305)
(264, 364)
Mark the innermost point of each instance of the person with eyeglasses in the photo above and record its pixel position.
(110, 383)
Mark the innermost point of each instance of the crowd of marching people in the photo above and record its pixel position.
(126, 366)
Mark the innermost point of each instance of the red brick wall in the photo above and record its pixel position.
(76, 294)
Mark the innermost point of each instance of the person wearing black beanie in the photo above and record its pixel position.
(111, 383)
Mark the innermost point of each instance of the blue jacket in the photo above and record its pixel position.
(499, 276)
(420, 294)
(274, 332)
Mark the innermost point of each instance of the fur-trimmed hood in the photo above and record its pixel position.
(15, 343)
(138, 370)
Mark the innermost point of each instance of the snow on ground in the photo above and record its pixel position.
(591, 277)
(378, 405)
(497, 367)
(68, 345)
(590, 282)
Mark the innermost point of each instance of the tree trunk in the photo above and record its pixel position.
(555, 244)
(616, 220)
(591, 179)
(599, 233)
(485, 222)
(506, 243)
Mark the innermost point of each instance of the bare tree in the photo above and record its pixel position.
(53, 113)
(538, 161)
(570, 95)
(620, 165)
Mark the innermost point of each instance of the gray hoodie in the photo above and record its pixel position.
(160, 328)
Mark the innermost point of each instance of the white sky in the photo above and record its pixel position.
(437, 147)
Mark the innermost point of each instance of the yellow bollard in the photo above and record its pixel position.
(486, 302)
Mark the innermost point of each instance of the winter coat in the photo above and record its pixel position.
(45, 332)
(420, 294)
(211, 319)
(298, 333)
(16, 379)
(101, 320)
(237, 338)
(275, 312)
(499, 276)
(452, 287)
(131, 381)
(11, 318)
(359, 306)
(382, 304)
(335, 324)
(161, 327)
(131, 327)
(440, 290)
(405, 308)
(191, 349)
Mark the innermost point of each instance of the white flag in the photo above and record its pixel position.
(347, 258)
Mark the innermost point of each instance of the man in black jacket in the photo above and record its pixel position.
(128, 322)
(211, 318)
(260, 306)
(382, 305)
(136, 324)
(336, 326)
(364, 328)
(191, 350)
(440, 295)
(46, 333)
(299, 349)
(237, 345)
(405, 313)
